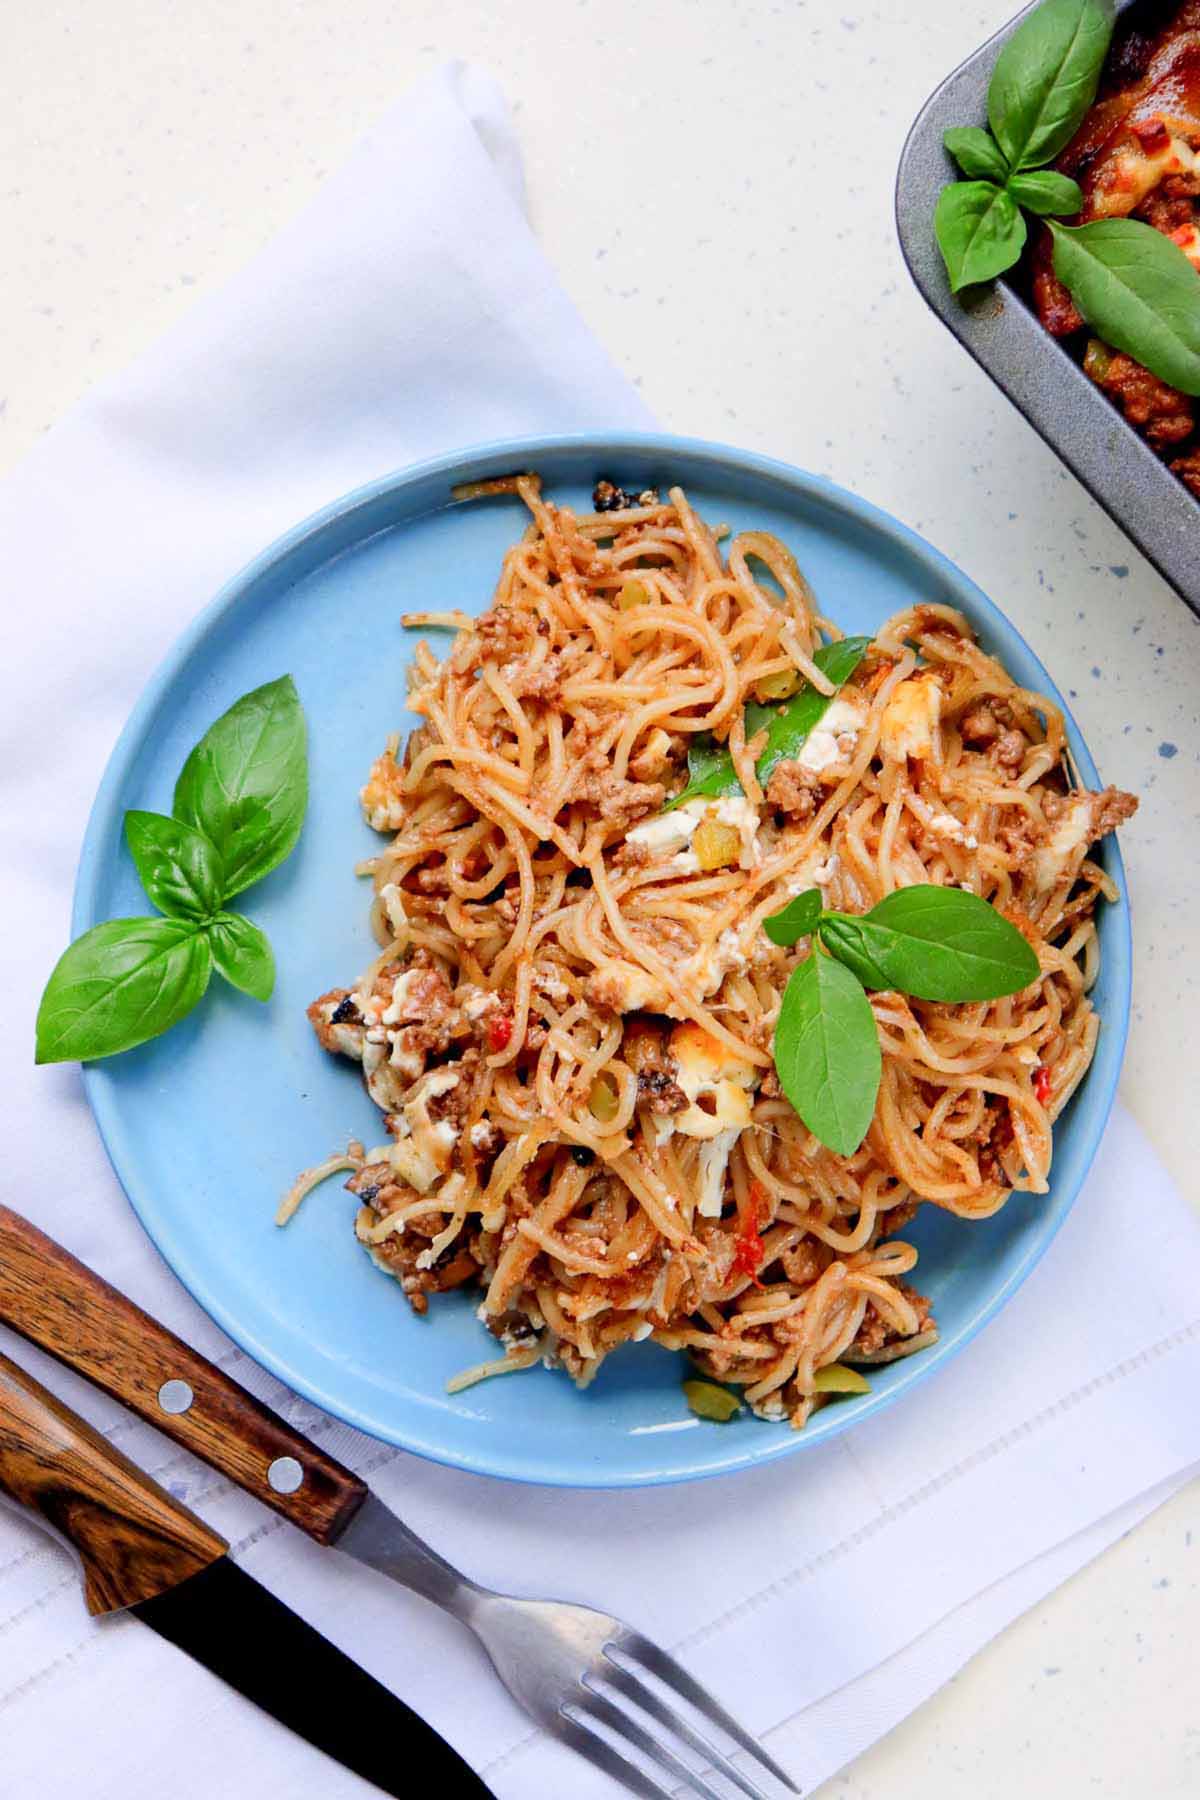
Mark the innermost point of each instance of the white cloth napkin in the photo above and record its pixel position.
(407, 311)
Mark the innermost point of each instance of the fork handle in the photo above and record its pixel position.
(64, 1307)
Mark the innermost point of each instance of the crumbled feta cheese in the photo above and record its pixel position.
(370, 1007)
(813, 873)
(668, 832)
(704, 972)
(481, 1133)
(833, 738)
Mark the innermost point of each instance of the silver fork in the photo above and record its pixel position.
(576, 1671)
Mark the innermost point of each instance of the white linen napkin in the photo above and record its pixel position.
(407, 311)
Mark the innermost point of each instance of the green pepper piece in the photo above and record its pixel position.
(708, 1401)
(836, 1378)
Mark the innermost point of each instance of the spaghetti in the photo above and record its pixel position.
(568, 1027)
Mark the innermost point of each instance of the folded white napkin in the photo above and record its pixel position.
(408, 311)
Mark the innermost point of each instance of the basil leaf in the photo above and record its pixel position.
(980, 231)
(797, 919)
(787, 725)
(936, 943)
(1045, 79)
(119, 984)
(705, 757)
(827, 1052)
(976, 152)
(1138, 291)
(245, 785)
(178, 867)
(1044, 191)
(242, 955)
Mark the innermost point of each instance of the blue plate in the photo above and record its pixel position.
(208, 1126)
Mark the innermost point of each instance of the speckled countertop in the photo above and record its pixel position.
(713, 179)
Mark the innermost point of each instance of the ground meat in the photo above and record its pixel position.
(644, 1047)
(505, 632)
(427, 1011)
(875, 1331)
(1009, 750)
(806, 1261)
(1162, 414)
(1188, 470)
(378, 1189)
(455, 1103)
(979, 726)
(793, 790)
(327, 1011)
(544, 682)
(632, 856)
(1112, 808)
(1052, 301)
(661, 753)
(897, 1217)
(660, 1093)
(619, 803)
(1171, 204)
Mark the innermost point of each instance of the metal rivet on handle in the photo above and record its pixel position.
(175, 1396)
(285, 1475)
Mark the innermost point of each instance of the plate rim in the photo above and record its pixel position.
(460, 464)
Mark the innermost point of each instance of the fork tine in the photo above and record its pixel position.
(598, 1750)
(629, 1728)
(641, 1650)
(644, 1696)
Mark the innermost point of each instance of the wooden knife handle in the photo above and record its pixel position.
(65, 1308)
(134, 1539)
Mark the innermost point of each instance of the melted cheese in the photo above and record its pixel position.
(911, 723)
(707, 1071)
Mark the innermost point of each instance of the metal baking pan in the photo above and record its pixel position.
(1004, 336)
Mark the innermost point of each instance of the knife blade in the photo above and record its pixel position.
(142, 1550)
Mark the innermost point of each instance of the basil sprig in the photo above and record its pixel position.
(711, 773)
(239, 806)
(1044, 80)
(1135, 288)
(935, 943)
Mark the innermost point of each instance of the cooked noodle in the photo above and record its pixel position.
(569, 1024)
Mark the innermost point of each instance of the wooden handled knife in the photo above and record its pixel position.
(142, 1550)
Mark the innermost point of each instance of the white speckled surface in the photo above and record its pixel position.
(714, 183)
